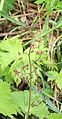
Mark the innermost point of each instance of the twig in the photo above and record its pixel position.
(10, 33)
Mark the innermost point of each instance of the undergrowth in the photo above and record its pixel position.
(31, 60)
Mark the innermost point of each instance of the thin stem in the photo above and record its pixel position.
(39, 16)
(29, 100)
(54, 45)
(1, 4)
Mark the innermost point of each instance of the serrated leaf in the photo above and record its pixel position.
(40, 111)
(7, 104)
(21, 99)
(10, 50)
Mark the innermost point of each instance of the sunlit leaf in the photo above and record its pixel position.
(10, 50)
(7, 104)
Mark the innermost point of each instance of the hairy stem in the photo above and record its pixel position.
(29, 100)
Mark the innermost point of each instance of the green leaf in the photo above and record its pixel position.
(7, 104)
(51, 4)
(4, 72)
(40, 111)
(59, 80)
(59, 5)
(39, 1)
(6, 5)
(11, 19)
(52, 106)
(21, 99)
(55, 116)
(54, 75)
(10, 50)
(45, 26)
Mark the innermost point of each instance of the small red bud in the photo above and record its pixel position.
(40, 52)
(32, 46)
(46, 57)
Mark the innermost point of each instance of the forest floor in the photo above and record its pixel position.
(35, 19)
